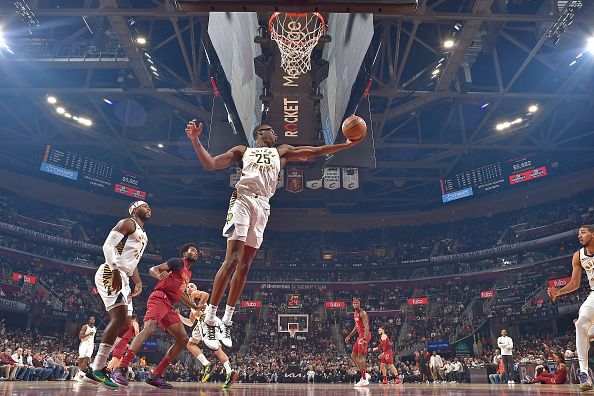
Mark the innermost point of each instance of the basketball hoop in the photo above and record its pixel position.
(296, 35)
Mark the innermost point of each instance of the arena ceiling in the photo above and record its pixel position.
(426, 127)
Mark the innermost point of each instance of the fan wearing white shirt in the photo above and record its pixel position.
(506, 345)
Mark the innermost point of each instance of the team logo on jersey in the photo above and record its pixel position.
(263, 159)
(229, 217)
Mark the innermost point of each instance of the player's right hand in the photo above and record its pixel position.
(553, 292)
(116, 280)
(193, 131)
(347, 339)
(164, 274)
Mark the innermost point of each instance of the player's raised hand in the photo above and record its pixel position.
(193, 131)
(137, 290)
(553, 292)
(347, 339)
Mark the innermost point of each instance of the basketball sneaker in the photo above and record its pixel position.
(206, 372)
(585, 382)
(362, 382)
(210, 335)
(225, 334)
(119, 377)
(102, 376)
(385, 381)
(231, 378)
(158, 382)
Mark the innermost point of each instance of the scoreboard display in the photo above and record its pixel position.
(293, 301)
(493, 177)
(91, 172)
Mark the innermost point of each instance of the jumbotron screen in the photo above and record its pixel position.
(94, 174)
(493, 177)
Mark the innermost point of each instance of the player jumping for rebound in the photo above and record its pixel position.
(387, 357)
(363, 338)
(196, 338)
(122, 346)
(248, 212)
(122, 249)
(173, 276)
(583, 258)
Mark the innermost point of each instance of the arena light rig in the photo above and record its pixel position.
(61, 110)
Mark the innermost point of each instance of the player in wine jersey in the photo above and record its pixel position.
(363, 337)
(582, 259)
(196, 317)
(86, 347)
(387, 357)
(173, 277)
(120, 348)
(248, 212)
(123, 250)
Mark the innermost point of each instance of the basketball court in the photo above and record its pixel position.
(56, 388)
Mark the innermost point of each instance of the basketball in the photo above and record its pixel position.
(354, 128)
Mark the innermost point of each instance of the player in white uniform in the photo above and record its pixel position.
(86, 347)
(122, 249)
(248, 212)
(582, 259)
(196, 317)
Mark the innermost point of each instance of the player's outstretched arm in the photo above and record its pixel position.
(574, 283)
(291, 153)
(221, 161)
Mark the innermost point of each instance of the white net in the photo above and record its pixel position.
(296, 36)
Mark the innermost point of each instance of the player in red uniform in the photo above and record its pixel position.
(173, 276)
(122, 346)
(387, 357)
(363, 338)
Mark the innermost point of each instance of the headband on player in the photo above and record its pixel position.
(135, 205)
(192, 285)
(357, 299)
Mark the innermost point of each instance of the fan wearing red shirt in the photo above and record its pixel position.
(173, 276)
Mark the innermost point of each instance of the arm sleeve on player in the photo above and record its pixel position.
(109, 248)
(175, 264)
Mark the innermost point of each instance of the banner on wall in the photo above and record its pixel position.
(350, 178)
(294, 180)
(418, 301)
(331, 178)
(487, 294)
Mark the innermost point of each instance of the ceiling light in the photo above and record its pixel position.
(109, 102)
(435, 72)
(485, 105)
(590, 45)
(51, 99)
(141, 40)
(160, 145)
(150, 60)
(533, 108)
(516, 121)
(448, 43)
(502, 126)
(147, 55)
(573, 62)
(60, 110)
(85, 121)
(67, 115)
(153, 68)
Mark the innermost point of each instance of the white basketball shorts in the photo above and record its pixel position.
(110, 298)
(247, 218)
(85, 349)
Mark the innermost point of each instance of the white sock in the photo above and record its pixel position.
(228, 314)
(227, 367)
(210, 314)
(582, 342)
(101, 356)
(202, 359)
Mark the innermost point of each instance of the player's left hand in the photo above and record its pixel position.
(137, 290)
(553, 292)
